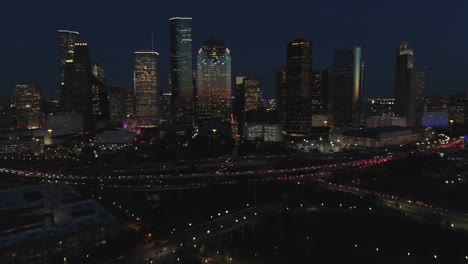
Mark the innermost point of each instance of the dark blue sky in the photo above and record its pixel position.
(256, 32)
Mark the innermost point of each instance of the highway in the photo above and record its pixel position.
(417, 210)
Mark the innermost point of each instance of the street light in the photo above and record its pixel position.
(214, 139)
(451, 126)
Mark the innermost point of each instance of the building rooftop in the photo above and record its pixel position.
(49, 211)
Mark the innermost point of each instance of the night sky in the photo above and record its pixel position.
(257, 33)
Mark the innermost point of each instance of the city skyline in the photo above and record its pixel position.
(113, 48)
(237, 132)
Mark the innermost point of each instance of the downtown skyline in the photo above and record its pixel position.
(257, 45)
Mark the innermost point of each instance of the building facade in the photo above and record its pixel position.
(67, 40)
(100, 100)
(420, 83)
(121, 104)
(281, 95)
(252, 94)
(76, 94)
(346, 86)
(181, 86)
(298, 106)
(316, 92)
(405, 90)
(214, 81)
(27, 102)
(146, 80)
(165, 110)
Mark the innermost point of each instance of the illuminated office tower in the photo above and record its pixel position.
(252, 94)
(405, 88)
(100, 101)
(181, 79)
(214, 81)
(316, 92)
(76, 95)
(146, 82)
(346, 87)
(67, 40)
(27, 101)
(298, 106)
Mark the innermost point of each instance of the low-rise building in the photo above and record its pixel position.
(117, 137)
(51, 223)
(382, 136)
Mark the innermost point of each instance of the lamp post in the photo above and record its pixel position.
(214, 139)
(451, 126)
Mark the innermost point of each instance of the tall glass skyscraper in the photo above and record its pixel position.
(346, 85)
(76, 94)
(298, 105)
(100, 96)
(181, 84)
(214, 81)
(67, 40)
(405, 88)
(146, 81)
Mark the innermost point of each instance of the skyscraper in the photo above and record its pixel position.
(346, 86)
(239, 100)
(420, 82)
(298, 105)
(252, 94)
(76, 94)
(146, 82)
(214, 81)
(405, 90)
(325, 90)
(316, 92)
(181, 85)
(67, 40)
(165, 107)
(100, 101)
(281, 95)
(27, 101)
(117, 99)
(248, 96)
